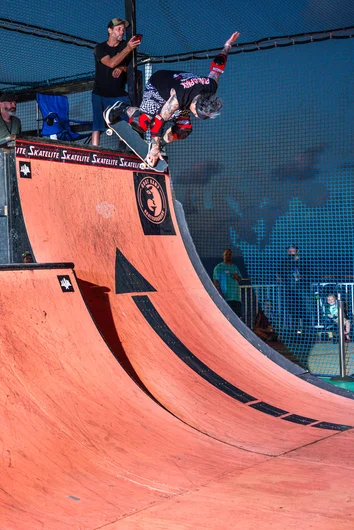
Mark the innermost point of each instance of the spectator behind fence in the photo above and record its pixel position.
(27, 257)
(110, 73)
(10, 125)
(331, 316)
(294, 280)
(226, 276)
(263, 323)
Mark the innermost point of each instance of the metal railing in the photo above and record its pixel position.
(254, 296)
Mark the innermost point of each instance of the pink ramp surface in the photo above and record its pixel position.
(281, 494)
(82, 448)
(81, 445)
(119, 227)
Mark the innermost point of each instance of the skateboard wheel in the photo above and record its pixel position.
(109, 132)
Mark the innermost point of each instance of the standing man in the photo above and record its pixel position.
(110, 73)
(174, 95)
(9, 123)
(294, 281)
(226, 277)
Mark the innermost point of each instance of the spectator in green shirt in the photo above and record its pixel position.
(226, 277)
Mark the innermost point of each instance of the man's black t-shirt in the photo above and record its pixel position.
(105, 84)
(186, 85)
(295, 272)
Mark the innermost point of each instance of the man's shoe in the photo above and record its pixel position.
(112, 114)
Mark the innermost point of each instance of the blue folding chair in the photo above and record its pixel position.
(56, 122)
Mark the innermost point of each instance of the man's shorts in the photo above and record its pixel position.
(152, 102)
(99, 104)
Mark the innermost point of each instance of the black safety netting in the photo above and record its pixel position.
(273, 171)
(43, 41)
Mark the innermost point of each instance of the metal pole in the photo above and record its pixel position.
(130, 15)
(342, 376)
(4, 202)
(341, 337)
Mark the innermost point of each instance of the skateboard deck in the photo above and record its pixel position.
(132, 139)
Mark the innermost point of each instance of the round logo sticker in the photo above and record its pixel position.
(152, 200)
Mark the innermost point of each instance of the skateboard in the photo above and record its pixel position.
(132, 139)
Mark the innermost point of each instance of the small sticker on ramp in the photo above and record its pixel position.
(65, 284)
(25, 170)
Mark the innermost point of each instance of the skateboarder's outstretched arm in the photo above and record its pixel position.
(217, 67)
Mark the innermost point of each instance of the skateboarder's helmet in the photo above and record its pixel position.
(208, 106)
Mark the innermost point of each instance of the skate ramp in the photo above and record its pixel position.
(81, 445)
(118, 224)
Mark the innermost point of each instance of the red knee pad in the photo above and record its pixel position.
(140, 121)
(156, 128)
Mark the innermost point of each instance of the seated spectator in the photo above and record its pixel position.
(10, 125)
(262, 324)
(331, 316)
(27, 257)
(226, 277)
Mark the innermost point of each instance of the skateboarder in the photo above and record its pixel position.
(173, 95)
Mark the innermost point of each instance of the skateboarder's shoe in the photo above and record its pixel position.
(112, 114)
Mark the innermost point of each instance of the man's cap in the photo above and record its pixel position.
(26, 253)
(8, 96)
(116, 22)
